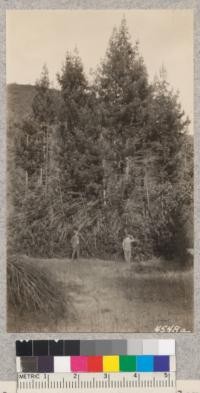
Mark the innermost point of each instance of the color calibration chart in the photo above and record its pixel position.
(96, 365)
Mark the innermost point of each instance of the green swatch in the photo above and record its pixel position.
(127, 363)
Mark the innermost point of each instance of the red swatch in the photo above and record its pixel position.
(95, 364)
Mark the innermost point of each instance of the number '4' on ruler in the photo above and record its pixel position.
(97, 382)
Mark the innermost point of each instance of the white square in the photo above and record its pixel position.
(150, 347)
(172, 363)
(18, 364)
(62, 364)
(166, 347)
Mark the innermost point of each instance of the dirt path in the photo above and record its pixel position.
(107, 296)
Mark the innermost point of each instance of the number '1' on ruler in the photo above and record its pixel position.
(96, 366)
(97, 382)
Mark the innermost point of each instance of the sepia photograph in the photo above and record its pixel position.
(100, 149)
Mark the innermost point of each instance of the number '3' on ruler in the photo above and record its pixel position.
(96, 382)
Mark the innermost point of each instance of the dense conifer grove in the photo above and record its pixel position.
(107, 156)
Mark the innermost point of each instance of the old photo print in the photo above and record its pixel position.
(99, 170)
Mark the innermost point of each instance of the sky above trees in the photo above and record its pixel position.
(38, 37)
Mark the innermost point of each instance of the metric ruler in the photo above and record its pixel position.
(99, 366)
(96, 382)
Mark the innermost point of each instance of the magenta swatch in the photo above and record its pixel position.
(79, 364)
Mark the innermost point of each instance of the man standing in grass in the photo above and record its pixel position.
(127, 242)
(75, 242)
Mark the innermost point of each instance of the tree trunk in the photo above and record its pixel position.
(26, 173)
(46, 161)
(61, 199)
(104, 182)
(26, 183)
(147, 189)
(127, 169)
(41, 176)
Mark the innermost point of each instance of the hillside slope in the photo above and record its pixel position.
(19, 100)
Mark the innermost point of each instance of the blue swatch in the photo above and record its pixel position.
(161, 363)
(144, 363)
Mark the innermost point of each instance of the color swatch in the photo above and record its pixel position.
(94, 347)
(127, 363)
(105, 364)
(111, 364)
(96, 356)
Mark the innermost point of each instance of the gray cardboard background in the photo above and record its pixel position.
(188, 344)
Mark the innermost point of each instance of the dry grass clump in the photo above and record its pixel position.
(30, 287)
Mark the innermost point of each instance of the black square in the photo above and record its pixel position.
(72, 347)
(24, 348)
(56, 348)
(40, 347)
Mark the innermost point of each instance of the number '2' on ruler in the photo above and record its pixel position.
(118, 366)
(97, 382)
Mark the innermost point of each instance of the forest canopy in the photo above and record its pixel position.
(106, 157)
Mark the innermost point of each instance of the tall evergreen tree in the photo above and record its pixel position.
(32, 158)
(79, 153)
(143, 129)
(124, 92)
(166, 136)
(168, 127)
(33, 146)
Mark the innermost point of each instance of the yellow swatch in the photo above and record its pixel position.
(110, 364)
